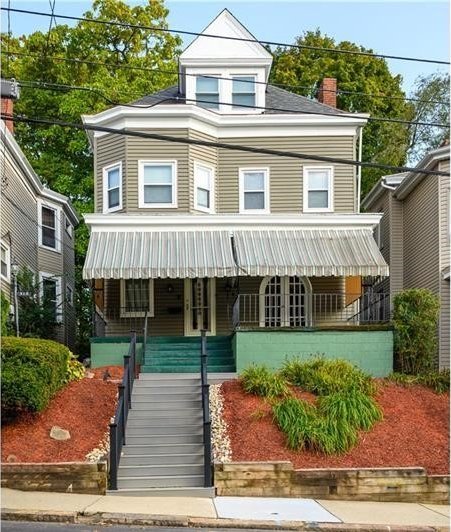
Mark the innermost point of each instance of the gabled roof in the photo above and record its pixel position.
(275, 98)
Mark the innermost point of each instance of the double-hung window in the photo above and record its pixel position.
(254, 190)
(112, 187)
(51, 296)
(49, 221)
(203, 187)
(243, 91)
(157, 184)
(207, 92)
(318, 188)
(5, 261)
(137, 297)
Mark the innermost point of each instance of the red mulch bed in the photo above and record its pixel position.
(84, 408)
(414, 432)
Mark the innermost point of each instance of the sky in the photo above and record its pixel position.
(406, 28)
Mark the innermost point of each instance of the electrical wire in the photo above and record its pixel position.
(229, 38)
(214, 144)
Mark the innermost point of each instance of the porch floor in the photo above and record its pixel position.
(181, 354)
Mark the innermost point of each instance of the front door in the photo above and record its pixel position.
(200, 306)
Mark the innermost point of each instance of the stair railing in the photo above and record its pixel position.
(208, 480)
(124, 404)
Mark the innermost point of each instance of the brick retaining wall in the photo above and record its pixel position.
(280, 479)
(65, 477)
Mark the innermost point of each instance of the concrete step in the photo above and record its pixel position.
(142, 402)
(143, 410)
(140, 419)
(187, 368)
(179, 448)
(163, 394)
(162, 439)
(160, 470)
(170, 380)
(150, 379)
(163, 481)
(165, 492)
(161, 459)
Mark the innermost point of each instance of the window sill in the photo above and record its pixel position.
(55, 250)
(158, 206)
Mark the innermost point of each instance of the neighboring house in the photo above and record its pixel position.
(245, 245)
(414, 234)
(37, 229)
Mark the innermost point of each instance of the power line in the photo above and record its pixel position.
(172, 72)
(214, 144)
(49, 86)
(229, 38)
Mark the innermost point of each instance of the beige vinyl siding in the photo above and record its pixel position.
(148, 149)
(109, 149)
(444, 326)
(69, 279)
(396, 221)
(286, 173)
(445, 227)
(421, 236)
(202, 154)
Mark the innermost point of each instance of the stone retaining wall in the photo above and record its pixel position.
(280, 479)
(65, 477)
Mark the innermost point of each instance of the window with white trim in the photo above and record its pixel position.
(112, 187)
(5, 261)
(203, 187)
(318, 188)
(51, 295)
(243, 91)
(207, 92)
(69, 295)
(157, 184)
(137, 297)
(49, 221)
(254, 190)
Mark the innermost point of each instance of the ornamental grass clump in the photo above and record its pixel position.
(439, 381)
(259, 380)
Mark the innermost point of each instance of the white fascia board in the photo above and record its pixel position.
(126, 222)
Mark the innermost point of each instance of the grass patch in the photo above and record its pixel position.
(438, 381)
(261, 381)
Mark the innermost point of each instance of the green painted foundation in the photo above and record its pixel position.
(110, 351)
(371, 350)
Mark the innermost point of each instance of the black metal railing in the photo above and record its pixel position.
(124, 404)
(208, 477)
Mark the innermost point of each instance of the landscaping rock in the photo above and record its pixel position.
(11, 458)
(57, 433)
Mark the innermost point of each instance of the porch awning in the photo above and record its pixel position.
(159, 254)
(309, 252)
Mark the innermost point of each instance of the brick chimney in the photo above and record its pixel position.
(327, 92)
(9, 93)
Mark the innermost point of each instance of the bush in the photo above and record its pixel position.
(75, 369)
(415, 319)
(33, 370)
(4, 309)
(437, 380)
(325, 376)
(259, 380)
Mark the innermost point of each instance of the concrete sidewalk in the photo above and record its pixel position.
(224, 512)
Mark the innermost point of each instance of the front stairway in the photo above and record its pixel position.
(163, 452)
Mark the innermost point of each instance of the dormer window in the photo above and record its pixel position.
(243, 91)
(207, 92)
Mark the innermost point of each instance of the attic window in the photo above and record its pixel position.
(207, 92)
(243, 91)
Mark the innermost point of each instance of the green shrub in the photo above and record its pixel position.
(415, 319)
(33, 370)
(325, 376)
(4, 310)
(75, 369)
(437, 380)
(259, 380)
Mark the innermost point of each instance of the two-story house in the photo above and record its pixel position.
(202, 223)
(414, 235)
(37, 232)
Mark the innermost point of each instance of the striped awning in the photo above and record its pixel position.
(159, 254)
(309, 252)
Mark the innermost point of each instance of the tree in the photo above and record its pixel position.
(432, 105)
(383, 142)
(61, 156)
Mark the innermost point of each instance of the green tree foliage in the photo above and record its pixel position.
(432, 105)
(383, 142)
(62, 156)
(4, 312)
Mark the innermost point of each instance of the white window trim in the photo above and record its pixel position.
(220, 89)
(58, 218)
(154, 162)
(266, 208)
(132, 314)
(211, 169)
(59, 293)
(105, 171)
(239, 107)
(7, 277)
(305, 176)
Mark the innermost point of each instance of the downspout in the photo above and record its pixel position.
(359, 169)
(388, 187)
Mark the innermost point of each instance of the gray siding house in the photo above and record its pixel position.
(414, 235)
(189, 235)
(37, 232)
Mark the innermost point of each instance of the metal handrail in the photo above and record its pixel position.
(119, 422)
(145, 334)
(205, 387)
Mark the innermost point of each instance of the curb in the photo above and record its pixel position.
(109, 518)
